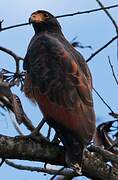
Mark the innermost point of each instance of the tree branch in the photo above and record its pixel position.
(60, 16)
(108, 14)
(107, 155)
(95, 168)
(17, 59)
(41, 169)
(86, 12)
(21, 117)
(64, 172)
(104, 102)
(11, 53)
(11, 27)
(112, 20)
(24, 148)
(103, 47)
(112, 69)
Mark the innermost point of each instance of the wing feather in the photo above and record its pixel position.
(59, 71)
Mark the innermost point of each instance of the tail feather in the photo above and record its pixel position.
(74, 148)
(74, 151)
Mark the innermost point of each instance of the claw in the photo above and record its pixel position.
(76, 167)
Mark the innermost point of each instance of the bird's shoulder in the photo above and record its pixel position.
(44, 39)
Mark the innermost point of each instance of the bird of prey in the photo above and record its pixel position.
(59, 81)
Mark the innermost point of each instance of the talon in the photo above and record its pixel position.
(77, 168)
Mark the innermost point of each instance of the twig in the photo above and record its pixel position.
(49, 132)
(107, 155)
(111, 147)
(17, 128)
(112, 69)
(35, 133)
(1, 24)
(64, 15)
(108, 14)
(20, 114)
(103, 47)
(17, 59)
(22, 117)
(103, 101)
(102, 134)
(11, 53)
(2, 161)
(112, 20)
(40, 169)
(10, 27)
(59, 171)
(113, 114)
(86, 12)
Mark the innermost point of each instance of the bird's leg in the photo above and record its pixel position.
(73, 164)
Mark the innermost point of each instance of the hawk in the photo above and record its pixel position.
(59, 81)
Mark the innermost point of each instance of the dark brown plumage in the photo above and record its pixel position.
(59, 80)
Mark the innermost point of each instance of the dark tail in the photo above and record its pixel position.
(74, 148)
(74, 151)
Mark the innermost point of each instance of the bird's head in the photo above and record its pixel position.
(44, 21)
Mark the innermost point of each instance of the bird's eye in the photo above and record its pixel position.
(46, 15)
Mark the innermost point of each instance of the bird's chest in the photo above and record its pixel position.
(58, 114)
(46, 72)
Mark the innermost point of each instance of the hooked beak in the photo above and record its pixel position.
(36, 18)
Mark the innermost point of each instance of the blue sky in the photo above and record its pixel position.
(93, 29)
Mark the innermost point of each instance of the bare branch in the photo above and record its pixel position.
(114, 115)
(107, 155)
(40, 169)
(112, 20)
(112, 69)
(2, 161)
(57, 173)
(103, 47)
(5, 95)
(17, 59)
(86, 12)
(10, 27)
(1, 24)
(20, 114)
(64, 15)
(25, 149)
(13, 103)
(17, 128)
(108, 14)
(11, 53)
(103, 101)
(98, 169)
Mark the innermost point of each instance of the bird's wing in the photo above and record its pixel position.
(58, 71)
